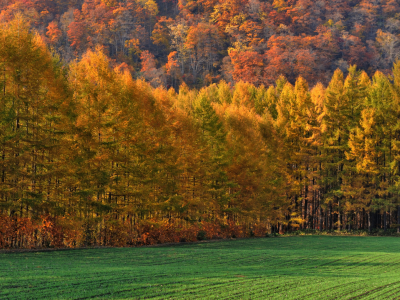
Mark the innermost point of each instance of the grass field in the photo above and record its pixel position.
(304, 267)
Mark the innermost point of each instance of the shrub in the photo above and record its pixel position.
(201, 235)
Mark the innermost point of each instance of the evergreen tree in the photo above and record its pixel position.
(32, 91)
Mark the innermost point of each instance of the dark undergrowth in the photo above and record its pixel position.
(374, 232)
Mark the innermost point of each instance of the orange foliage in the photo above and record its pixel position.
(317, 33)
(172, 65)
(248, 66)
(291, 56)
(76, 35)
(53, 32)
(16, 232)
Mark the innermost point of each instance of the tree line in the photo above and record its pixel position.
(89, 155)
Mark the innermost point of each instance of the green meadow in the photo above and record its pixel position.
(303, 267)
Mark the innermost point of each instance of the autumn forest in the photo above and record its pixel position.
(138, 122)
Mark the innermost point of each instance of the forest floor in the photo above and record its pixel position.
(299, 267)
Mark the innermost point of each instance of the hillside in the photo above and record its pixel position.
(169, 42)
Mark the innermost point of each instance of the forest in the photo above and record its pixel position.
(200, 42)
(101, 143)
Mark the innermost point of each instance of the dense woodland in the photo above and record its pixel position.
(92, 152)
(200, 42)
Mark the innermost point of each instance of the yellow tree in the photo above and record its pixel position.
(256, 167)
(362, 183)
(297, 123)
(343, 105)
(32, 91)
(91, 139)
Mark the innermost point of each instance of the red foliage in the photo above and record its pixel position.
(319, 35)
(148, 61)
(16, 232)
(292, 57)
(248, 66)
(76, 35)
(53, 32)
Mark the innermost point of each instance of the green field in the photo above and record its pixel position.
(305, 267)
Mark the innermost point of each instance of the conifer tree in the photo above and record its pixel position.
(32, 90)
(297, 120)
(361, 184)
(394, 127)
(343, 105)
(214, 136)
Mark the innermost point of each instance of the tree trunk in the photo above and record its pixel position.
(305, 214)
(369, 222)
(344, 218)
(339, 221)
(320, 217)
(398, 218)
(385, 220)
